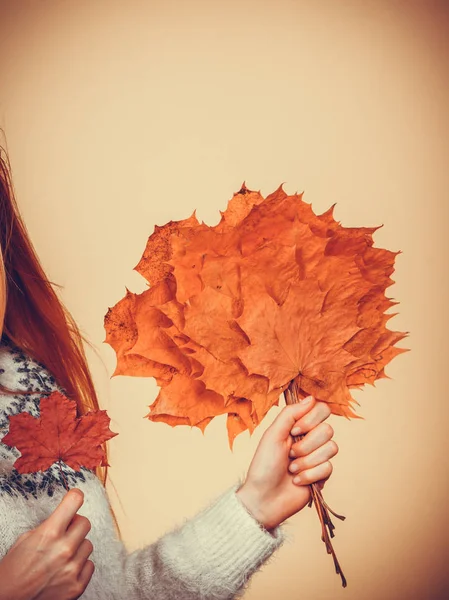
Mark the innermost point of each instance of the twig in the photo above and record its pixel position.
(291, 395)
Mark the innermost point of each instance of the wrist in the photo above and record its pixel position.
(253, 503)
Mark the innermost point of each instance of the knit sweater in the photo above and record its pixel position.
(209, 557)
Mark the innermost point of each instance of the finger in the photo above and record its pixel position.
(77, 531)
(86, 573)
(320, 412)
(319, 435)
(315, 458)
(63, 514)
(309, 476)
(283, 423)
(82, 554)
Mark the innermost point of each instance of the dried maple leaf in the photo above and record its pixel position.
(58, 435)
(273, 294)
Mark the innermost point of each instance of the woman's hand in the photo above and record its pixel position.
(272, 491)
(51, 561)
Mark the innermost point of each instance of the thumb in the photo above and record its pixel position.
(283, 424)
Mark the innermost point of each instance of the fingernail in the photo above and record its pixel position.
(296, 431)
(292, 453)
(293, 468)
(297, 479)
(307, 400)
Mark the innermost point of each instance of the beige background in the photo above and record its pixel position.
(123, 115)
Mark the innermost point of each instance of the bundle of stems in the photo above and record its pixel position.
(292, 396)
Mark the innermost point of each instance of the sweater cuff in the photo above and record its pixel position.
(229, 544)
(229, 521)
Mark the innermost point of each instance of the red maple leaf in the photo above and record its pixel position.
(58, 435)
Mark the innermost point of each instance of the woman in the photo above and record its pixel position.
(58, 546)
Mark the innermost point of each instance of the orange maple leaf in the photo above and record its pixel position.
(58, 435)
(272, 294)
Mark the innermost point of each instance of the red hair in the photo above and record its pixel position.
(32, 315)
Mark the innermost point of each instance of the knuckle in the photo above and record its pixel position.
(325, 409)
(333, 446)
(328, 429)
(300, 465)
(305, 479)
(79, 587)
(71, 572)
(86, 523)
(328, 467)
(65, 552)
(49, 536)
(92, 569)
(300, 449)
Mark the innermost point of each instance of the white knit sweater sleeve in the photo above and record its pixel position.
(210, 557)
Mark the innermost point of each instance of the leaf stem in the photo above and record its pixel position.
(293, 395)
(66, 485)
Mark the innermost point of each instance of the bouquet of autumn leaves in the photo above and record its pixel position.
(274, 299)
